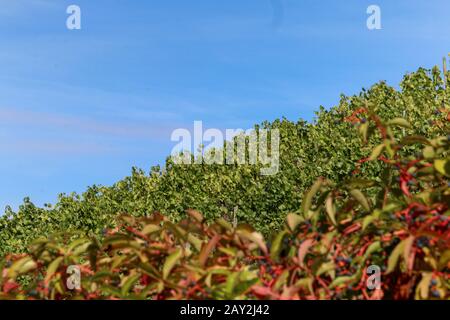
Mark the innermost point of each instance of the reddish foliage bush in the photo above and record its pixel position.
(397, 224)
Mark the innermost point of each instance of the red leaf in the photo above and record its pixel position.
(262, 291)
(10, 286)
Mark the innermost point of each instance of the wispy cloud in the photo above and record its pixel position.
(13, 7)
(82, 125)
(36, 147)
(24, 132)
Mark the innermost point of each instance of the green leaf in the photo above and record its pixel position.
(217, 271)
(128, 283)
(444, 259)
(224, 224)
(355, 183)
(414, 139)
(361, 198)
(244, 286)
(407, 248)
(363, 130)
(81, 249)
(21, 266)
(443, 166)
(281, 280)
(231, 283)
(395, 255)
(293, 220)
(305, 283)
(307, 201)
(151, 228)
(196, 242)
(52, 268)
(373, 247)
(255, 237)
(377, 152)
(399, 122)
(325, 267)
(276, 245)
(196, 215)
(171, 261)
(367, 221)
(76, 244)
(331, 210)
(428, 152)
(340, 281)
(423, 288)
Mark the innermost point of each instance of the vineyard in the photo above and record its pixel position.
(365, 184)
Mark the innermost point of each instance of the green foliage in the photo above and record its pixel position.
(327, 148)
(398, 221)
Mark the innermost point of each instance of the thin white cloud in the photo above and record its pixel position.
(82, 125)
(15, 7)
(21, 146)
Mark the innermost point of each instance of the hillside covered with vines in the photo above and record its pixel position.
(330, 147)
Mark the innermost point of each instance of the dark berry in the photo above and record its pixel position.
(435, 294)
(33, 293)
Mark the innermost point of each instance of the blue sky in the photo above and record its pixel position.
(82, 107)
